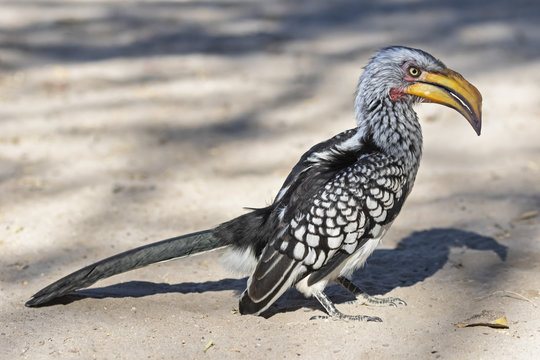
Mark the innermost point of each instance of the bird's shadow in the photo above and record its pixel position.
(415, 258)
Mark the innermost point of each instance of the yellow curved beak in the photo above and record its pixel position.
(451, 89)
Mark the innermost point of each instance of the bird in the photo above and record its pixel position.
(336, 204)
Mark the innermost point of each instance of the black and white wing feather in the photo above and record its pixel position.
(342, 193)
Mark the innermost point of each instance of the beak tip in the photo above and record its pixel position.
(477, 126)
(477, 129)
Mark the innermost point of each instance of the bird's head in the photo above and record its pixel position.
(407, 75)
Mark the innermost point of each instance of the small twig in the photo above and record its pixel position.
(209, 345)
(511, 293)
(527, 215)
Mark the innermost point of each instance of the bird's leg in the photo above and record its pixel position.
(366, 299)
(334, 313)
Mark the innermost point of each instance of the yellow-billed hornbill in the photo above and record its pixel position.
(337, 202)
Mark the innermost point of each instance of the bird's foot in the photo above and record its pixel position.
(365, 299)
(335, 314)
(345, 317)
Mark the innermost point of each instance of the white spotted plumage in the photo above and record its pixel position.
(342, 223)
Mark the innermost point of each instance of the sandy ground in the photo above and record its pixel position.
(123, 123)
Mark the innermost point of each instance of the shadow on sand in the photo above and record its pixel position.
(416, 258)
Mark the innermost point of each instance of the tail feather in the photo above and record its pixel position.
(145, 255)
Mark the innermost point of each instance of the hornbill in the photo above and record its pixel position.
(336, 204)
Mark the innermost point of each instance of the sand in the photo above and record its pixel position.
(125, 123)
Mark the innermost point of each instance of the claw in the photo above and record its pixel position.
(374, 318)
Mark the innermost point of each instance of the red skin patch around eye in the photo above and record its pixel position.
(396, 94)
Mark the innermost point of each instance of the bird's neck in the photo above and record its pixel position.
(393, 127)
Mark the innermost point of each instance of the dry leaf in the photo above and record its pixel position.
(489, 318)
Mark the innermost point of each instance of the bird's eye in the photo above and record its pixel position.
(414, 71)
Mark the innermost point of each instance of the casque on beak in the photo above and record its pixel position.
(451, 89)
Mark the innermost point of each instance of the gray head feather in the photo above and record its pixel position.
(384, 72)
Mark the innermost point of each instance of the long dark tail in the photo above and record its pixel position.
(145, 255)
